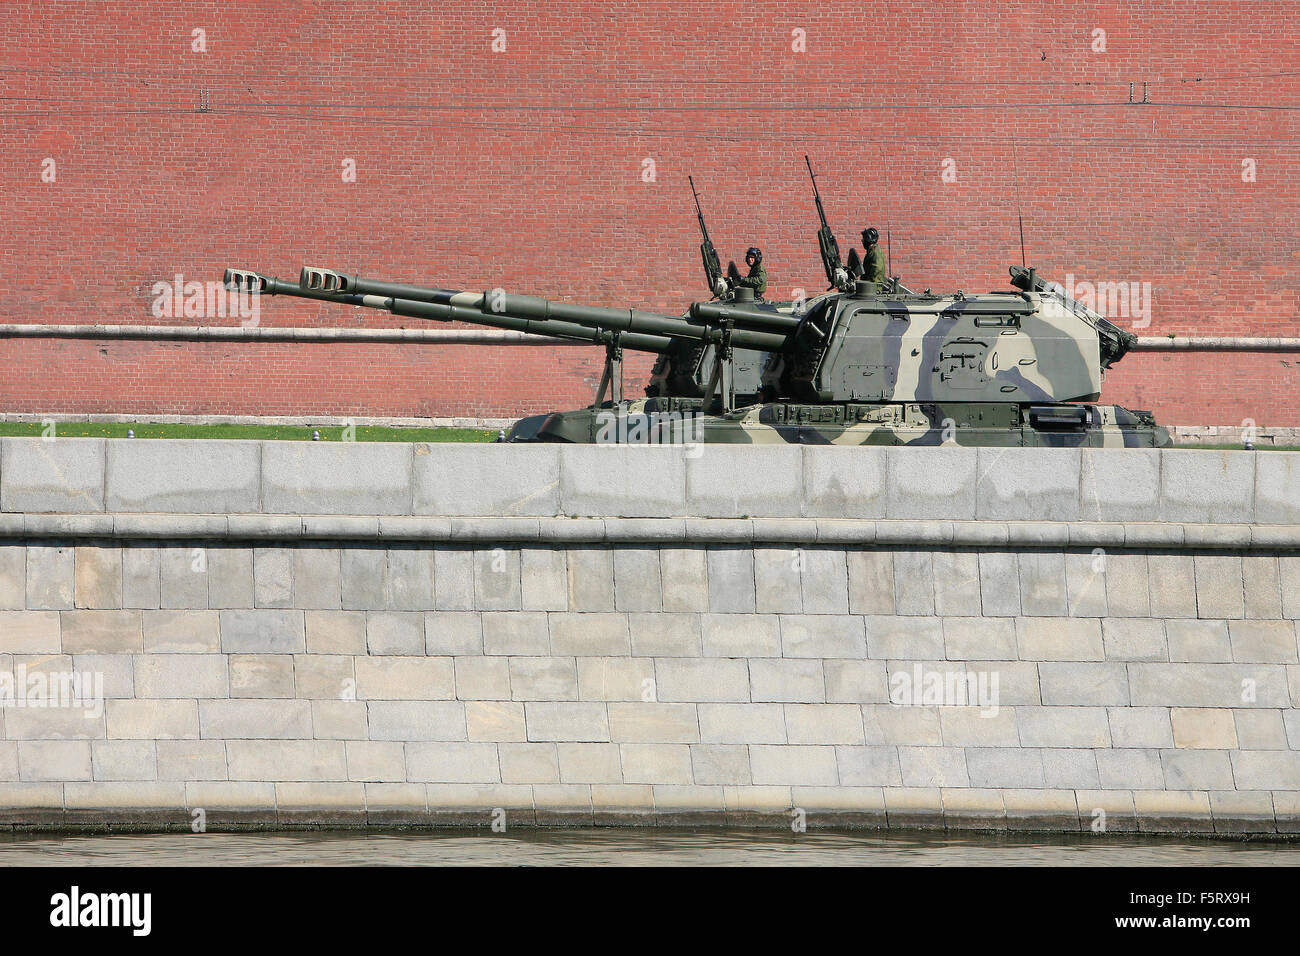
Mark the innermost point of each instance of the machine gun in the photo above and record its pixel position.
(712, 267)
(836, 274)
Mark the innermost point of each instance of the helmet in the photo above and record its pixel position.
(756, 252)
(869, 236)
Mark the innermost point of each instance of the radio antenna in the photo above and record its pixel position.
(1015, 165)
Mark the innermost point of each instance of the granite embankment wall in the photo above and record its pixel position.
(307, 633)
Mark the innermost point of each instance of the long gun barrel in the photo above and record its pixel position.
(641, 331)
(826, 242)
(709, 255)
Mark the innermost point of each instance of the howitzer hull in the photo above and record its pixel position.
(682, 421)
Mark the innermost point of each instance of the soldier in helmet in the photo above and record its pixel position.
(756, 279)
(873, 260)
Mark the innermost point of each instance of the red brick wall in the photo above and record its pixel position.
(523, 169)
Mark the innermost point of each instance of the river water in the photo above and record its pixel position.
(632, 847)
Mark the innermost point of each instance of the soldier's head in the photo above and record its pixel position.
(870, 237)
(753, 256)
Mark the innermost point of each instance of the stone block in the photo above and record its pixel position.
(101, 632)
(703, 679)
(1128, 585)
(855, 682)
(183, 573)
(999, 583)
(871, 581)
(261, 676)
(52, 476)
(1070, 768)
(255, 719)
(339, 719)
(1063, 726)
(187, 477)
(544, 579)
(1059, 639)
(29, 632)
(262, 631)
(1141, 727)
(1120, 484)
(868, 766)
(1261, 730)
(589, 763)
(591, 579)
(1134, 639)
(824, 724)
(1042, 583)
(1028, 484)
(1197, 770)
(54, 760)
(841, 482)
(543, 678)
(656, 763)
(416, 720)
(1011, 767)
(1207, 486)
(336, 632)
(492, 479)
(329, 478)
(683, 575)
(931, 482)
(395, 633)
(1208, 685)
(97, 576)
(181, 675)
(529, 763)
(316, 578)
(713, 491)
(976, 727)
(50, 577)
(589, 635)
(462, 632)
(731, 580)
(405, 678)
(363, 573)
(273, 760)
(974, 639)
(894, 724)
(615, 678)
(1130, 770)
(742, 723)
(664, 634)
(1263, 597)
(823, 580)
(230, 577)
(778, 765)
(497, 583)
(1204, 728)
(151, 719)
(1172, 585)
(324, 677)
(1219, 589)
(913, 582)
(792, 681)
(904, 638)
(482, 678)
(181, 632)
(567, 722)
(13, 576)
(491, 720)
(1263, 641)
(624, 481)
(833, 635)
(636, 579)
(375, 761)
(1261, 770)
(956, 582)
(190, 759)
(1277, 488)
(1199, 641)
(933, 767)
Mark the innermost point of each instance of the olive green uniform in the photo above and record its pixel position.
(873, 265)
(756, 280)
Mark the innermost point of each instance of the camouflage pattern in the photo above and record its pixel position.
(846, 367)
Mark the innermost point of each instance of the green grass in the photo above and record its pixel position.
(249, 432)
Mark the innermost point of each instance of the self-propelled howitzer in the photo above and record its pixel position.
(856, 367)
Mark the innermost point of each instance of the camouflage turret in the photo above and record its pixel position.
(858, 366)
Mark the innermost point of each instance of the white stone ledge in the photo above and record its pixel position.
(896, 533)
